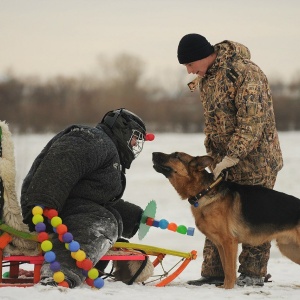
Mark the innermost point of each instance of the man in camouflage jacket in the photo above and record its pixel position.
(240, 134)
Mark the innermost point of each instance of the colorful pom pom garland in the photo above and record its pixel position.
(164, 224)
(66, 237)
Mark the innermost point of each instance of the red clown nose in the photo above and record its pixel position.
(149, 137)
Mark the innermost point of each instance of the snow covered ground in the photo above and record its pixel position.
(143, 185)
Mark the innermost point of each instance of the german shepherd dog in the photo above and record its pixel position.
(229, 213)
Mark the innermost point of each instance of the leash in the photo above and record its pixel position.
(194, 200)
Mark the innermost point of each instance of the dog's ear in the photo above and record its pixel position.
(199, 163)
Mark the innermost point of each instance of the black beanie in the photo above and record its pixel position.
(193, 47)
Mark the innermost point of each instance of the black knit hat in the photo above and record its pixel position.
(193, 47)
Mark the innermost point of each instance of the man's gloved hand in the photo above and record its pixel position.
(210, 166)
(227, 162)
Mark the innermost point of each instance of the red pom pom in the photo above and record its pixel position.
(64, 284)
(150, 137)
(61, 229)
(42, 236)
(149, 221)
(60, 237)
(52, 213)
(87, 264)
(89, 281)
(79, 264)
(45, 212)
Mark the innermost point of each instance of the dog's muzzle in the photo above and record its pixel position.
(159, 159)
(167, 171)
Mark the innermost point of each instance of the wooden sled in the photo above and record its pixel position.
(132, 252)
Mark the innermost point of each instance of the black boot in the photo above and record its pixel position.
(101, 265)
(216, 280)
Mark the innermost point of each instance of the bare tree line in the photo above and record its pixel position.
(33, 105)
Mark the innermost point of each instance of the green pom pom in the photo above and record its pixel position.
(182, 229)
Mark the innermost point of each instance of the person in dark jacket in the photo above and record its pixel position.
(81, 174)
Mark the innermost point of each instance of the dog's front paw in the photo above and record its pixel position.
(227, 287)
(229, 284)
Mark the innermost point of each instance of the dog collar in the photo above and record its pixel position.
(194, 200)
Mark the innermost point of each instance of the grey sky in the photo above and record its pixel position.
(46, 38)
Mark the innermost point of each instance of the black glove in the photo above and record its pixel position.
(27, 219)
(131, 215)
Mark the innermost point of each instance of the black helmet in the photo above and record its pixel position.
(129, 131)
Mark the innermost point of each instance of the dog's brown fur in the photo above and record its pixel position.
(230, 213)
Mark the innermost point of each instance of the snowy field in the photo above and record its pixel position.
(143, 185)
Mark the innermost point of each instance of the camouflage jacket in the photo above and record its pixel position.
(239, 116)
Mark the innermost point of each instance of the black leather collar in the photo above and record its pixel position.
(195, 200)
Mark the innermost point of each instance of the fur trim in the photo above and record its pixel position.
(148, 270)
(124, 270)
(11, 209)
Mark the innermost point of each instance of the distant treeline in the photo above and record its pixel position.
(34, 105)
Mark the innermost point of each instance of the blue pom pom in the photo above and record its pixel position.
(49, 256)
(163, 224)
(74, 246)
(40, 227)
(155, 223)
(98, 283)
(55, 266)
(67, 237)
(190, 231)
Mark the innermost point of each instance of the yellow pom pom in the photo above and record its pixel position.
(55, 221)
(46, 245)
(37, 219)
(58, 276)
(80, 255)
(93, 273)
(37, 210)
(73, 254)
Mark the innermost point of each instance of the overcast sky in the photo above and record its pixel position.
(47, 38)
